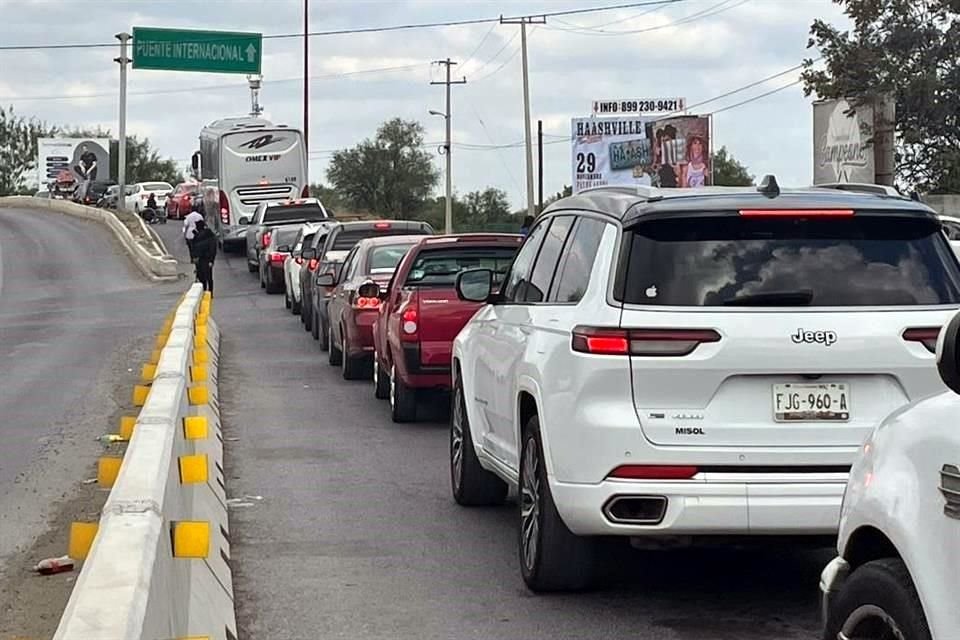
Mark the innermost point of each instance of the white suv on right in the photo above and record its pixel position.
(677, 364)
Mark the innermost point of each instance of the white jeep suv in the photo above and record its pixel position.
(896, 575)
(685, 363)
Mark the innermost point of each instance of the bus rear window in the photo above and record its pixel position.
(792, 262)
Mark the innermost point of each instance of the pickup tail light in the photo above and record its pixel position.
(381, 225)
(640, 342)
(312, 265)
(409, 319)
(265, 240)
(653, 472)
(927, 336)
(366, 303)
(278, 258)
(299, 260)
(224, 208)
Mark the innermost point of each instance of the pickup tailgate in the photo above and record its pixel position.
(441, 317)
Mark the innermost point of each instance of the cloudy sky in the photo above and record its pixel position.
(697, 49)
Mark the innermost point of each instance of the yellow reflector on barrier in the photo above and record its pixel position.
(198, 373)
(207, 297)
(155, 356)
(201, 355)
(148, 373)
(140, 393)
(81, 539)
(127, 423)
(191, 539)
(202, 319)
(198, 395)
(193, 469)
(200, 341)
(107, 471)
(195, 428)
(161, 341)
(201, 332)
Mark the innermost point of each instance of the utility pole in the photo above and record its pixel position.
(539, 166)
(306, 78)
(448, 215)
(523, 21)
(123, 61)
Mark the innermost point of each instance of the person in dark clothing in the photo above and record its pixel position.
(87, 167)
(205, 251)
(525, 227)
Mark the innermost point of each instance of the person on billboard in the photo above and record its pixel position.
(695, 173)
(87, 167)
(666, 172)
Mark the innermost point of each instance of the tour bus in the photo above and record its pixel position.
(242, 162)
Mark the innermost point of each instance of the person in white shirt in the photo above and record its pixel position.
(190, 229)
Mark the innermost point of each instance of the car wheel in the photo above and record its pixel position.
(878, 601)
(272, 286)
(381, 381)
(473, 486)
(403, 399)
(552, 558)
(306, 317)
(334, 355)
(353, 368)
(324, 333)
(252, 268)
(315, 325)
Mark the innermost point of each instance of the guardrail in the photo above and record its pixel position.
(159, 564)
(149, 255)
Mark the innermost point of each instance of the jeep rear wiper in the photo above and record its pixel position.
(798, 298)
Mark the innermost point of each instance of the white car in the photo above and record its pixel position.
(671, 364)
(139, 193)
(294, 264)
(896, 575)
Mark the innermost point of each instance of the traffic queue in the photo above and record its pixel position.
(673, 369)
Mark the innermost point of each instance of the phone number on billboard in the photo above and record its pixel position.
(639, 106)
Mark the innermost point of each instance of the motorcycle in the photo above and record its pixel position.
(154, 216)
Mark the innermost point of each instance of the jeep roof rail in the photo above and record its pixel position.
(862, 187)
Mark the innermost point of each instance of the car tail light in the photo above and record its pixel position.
(409, 321)
(278, 258)
(653, 472)
(312, 265)
(640, 342)
(224, 208)
(927, 336)
(265, 240)
(796, 213)
(366, 303)
(299, 260)
(381, 225)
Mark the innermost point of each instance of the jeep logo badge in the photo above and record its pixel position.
(825, 338)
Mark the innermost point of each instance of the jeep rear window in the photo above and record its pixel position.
(754, 262)
(293, 212)
(439, 267)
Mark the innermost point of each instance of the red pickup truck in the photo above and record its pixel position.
(421, 314)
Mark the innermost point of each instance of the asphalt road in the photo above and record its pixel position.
(73, 312)
(357, 537)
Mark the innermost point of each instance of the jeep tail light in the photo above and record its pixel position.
(265, 239)
(653, 472)
(409, 321)
(224, 208)
(927, 336)
(640, 342)
(796, 213)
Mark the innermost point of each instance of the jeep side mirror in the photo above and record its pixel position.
(948, 354)
(475, 285)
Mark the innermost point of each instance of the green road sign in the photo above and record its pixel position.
(189, 50)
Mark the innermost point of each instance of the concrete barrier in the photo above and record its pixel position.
(159, 566)
(148, 254)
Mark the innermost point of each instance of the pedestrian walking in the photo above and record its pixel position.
(525, 227)
(205, 252)
(190, 228)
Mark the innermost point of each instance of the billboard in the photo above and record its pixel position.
(842, 143)
(85, 158)
(631, 151)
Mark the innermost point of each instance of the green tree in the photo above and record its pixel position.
(908, 49)
(389, 175)
(144, 164)
(728, 172)
(18, 149)
(485, 208)
(332, 200)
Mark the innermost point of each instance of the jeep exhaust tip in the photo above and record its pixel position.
(645, 510)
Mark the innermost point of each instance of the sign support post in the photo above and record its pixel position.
(123, 60)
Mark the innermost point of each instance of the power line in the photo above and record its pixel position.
(757, 97)
(599, 27)
(478, 47)
(384, 29)
(712, 10)
(497, 54)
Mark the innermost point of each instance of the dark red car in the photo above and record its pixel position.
(179, 202)
(354, 303)
(421, 314)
